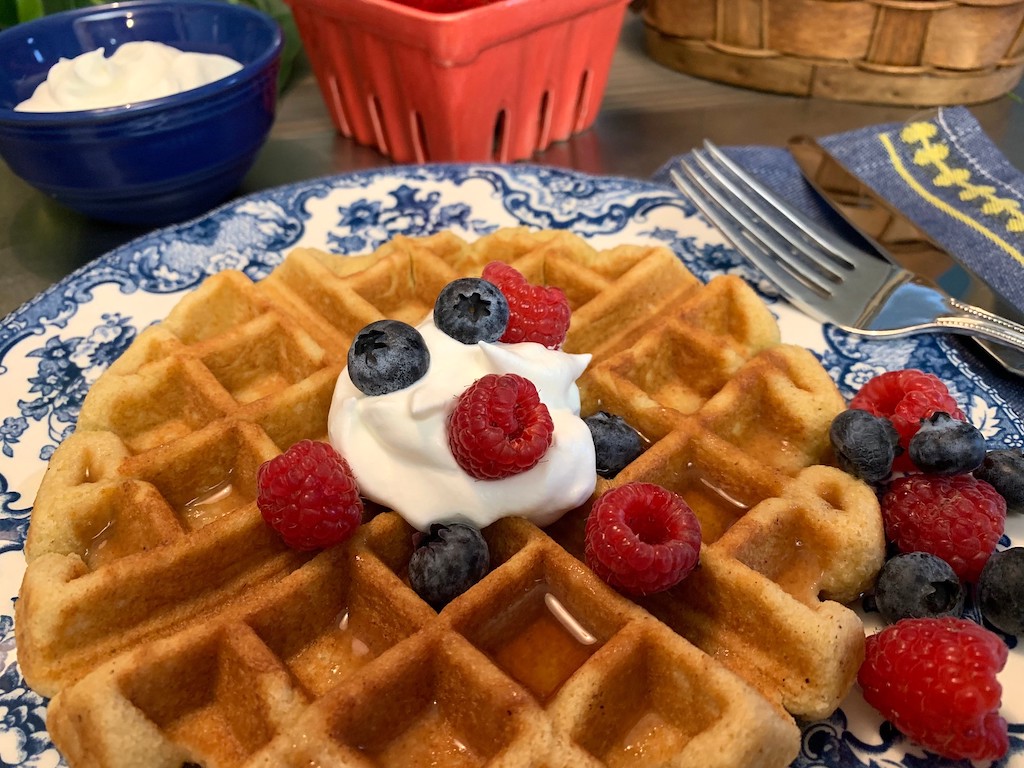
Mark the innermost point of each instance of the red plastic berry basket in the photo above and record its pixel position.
(494, 83)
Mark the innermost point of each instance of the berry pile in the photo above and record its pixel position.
(498, 426)
(905, 398)
(944, 500)
(949, 495)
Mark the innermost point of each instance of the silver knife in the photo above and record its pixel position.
(900, 240)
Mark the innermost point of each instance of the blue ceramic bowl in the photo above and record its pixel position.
(153, 162)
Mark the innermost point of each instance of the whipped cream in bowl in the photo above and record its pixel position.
(136, 71)
(397, 443)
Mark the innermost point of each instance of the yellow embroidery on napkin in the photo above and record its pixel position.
(935, 155)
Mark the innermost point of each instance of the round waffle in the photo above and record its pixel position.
(173, 628)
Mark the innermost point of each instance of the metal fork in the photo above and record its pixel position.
(833, 282)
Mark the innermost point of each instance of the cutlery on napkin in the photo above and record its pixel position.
(942, 172)
(898, 238)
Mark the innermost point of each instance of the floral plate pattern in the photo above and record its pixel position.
(55, 346)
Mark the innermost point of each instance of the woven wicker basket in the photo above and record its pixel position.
(907, 52)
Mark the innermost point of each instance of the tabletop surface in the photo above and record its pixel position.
(649, 114)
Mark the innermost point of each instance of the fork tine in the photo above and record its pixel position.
(798, 293)
(753, 207)
(755, 227)
(845, 256)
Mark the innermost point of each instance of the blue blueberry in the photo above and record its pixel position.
(947, 446)
(471, 309)
(865, 445)
(918, 585)
(447, 561)
(1001, 590)
(386, 356)
(1004, 471)
(616, 444)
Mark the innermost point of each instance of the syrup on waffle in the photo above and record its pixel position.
(173, 628)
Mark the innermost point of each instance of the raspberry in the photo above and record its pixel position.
(499, 427)
(538, 313)
(959, 519)
(308, 495)
(935, 680)
(905, 398)
(641, 538)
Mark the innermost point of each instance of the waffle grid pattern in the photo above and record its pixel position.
(174, 629)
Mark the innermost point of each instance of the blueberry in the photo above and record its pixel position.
(946, 446)
(1004, 471)
(1001, 590)
(918, 585)
(865, 444)
(616, 444)
(447, 561)
(471, 309)
(386, 356)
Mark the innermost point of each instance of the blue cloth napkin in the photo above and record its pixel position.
(946, 175)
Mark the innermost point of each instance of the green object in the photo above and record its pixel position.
(282, 14)
(29, 9)
(8, 13)
(13, 11)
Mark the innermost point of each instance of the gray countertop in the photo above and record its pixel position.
(649, 114)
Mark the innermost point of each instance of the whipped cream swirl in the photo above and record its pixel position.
(397, 444)
(137, 71)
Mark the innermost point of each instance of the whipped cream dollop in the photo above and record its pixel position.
(397, 443)
(137, 71)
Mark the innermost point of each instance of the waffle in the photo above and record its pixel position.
(172, 628)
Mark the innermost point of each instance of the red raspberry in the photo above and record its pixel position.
(958, 518)
(641, 538)
(499, 427)
(935, 680)
(536, 313)
(906, 398)
(308, 495)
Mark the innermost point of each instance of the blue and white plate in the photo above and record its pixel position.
(54, 347)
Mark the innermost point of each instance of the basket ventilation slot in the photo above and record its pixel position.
(583, 100)
(373, 102)
(499, 146)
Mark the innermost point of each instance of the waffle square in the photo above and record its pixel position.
(173, 628)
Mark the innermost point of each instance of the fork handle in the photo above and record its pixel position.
(975, 321)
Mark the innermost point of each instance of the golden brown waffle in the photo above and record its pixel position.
(172, 627)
